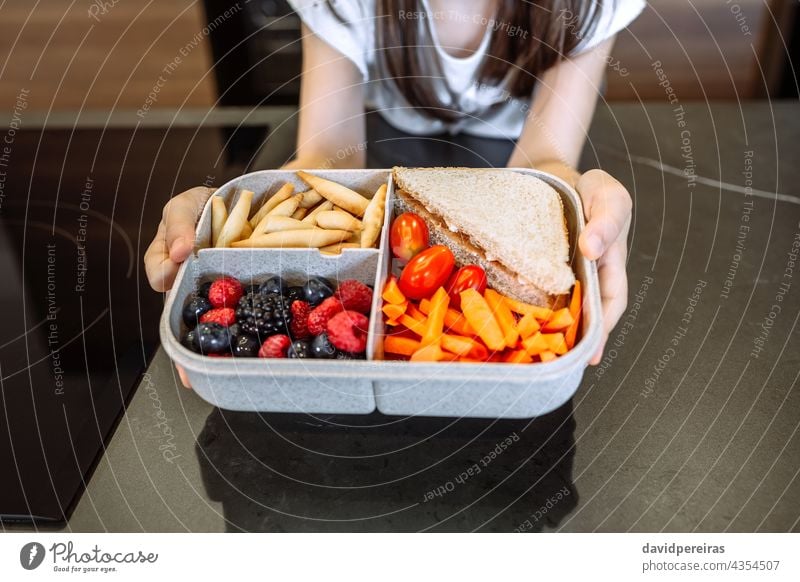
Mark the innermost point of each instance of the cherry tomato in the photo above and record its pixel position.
(468, 277)
(426, 272)
(408, 236)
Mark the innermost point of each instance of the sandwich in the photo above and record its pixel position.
(510, 224)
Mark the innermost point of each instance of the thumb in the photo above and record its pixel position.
(180, 217)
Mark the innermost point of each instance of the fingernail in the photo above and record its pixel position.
(594, 244)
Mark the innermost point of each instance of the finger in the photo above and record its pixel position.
(160, 269)
(184, 378)
(180, 217)
(613, 292)
(608, 209)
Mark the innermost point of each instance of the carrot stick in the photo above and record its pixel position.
(527, 326)
(561, 319)
(464, 346)
(502, 312)
(555, 343)
(453, 320)
(536, 344)
(431, 353)
(394, 311)
(575, 305)
(546, 356)
(400, 345)
(518, 357)
(418, 327)
(391, 292)
(414, 312)
(435, 323)
(482, 320)
(540, 313)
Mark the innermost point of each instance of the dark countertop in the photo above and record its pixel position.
(690, 423)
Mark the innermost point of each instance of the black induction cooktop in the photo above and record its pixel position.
(78, 322)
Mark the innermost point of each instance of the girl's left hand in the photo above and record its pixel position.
(607, 206)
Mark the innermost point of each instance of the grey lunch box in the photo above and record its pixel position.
(455, 389)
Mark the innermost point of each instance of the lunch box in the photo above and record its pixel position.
(448, 389)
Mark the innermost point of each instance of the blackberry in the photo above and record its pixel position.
(195, 307)
(263, 315)
(299, 349)
(340, 355)
(321, 347)
(317, 289)
(274, 285)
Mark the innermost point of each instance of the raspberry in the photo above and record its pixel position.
(222, 315)
(275, 346)
(318, 318)
(225, 292)
(354, 295)
(299, 326)
(348, 331)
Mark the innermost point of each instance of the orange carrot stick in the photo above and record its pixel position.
(561, 319)
(393, 311)
(555, 343)
(536, 344)
(540, 313)
(400, 345)
(575, 306)
(518, 357)
(482, 320)
(546, 356)
(464, 346)
(502, 312)
(527, 326)
(418, 327)
(431, 353)
(434, 326)
(391, 292)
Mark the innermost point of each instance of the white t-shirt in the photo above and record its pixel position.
(349, 27)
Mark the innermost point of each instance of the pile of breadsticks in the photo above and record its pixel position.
(329, 216)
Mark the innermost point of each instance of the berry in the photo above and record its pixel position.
(222, 355)
(321, 347)
(252, 288)
(318, 318)
(194, 309)
(202, 291)
(354, 295)
(340, 355)
(212, 338)
(299, 349)
(225, 292)
(348, 331)
(274, 285)
(294, 294)
(299, 325)
(317, 289)
(190, 340)
(263, 315)
(275, 346)
(244, 346)
(222, 315)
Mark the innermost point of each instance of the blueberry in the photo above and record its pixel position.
(245, 346)
(340, 355)
(190, 341)
(213, 338)
(196, 307)
(321, 347)
(295, 294)
(317, 289)
(274, 285)
(202, 291)
(299, 349)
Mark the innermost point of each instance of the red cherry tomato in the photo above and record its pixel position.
(426, 272)
(408, 236)
(468, 277)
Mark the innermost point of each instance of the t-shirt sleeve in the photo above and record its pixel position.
(614, 16)
(345, 25)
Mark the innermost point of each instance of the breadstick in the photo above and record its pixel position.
(310, 199)
(246, 231)
(337, 248)
(219, 214)
(236, 219)
(287, 207)
(301, 212)
(311, 217)
(340, 195)
(338, 220)
(283, 194)
(373, 218)
(310, 238)
(279, 223)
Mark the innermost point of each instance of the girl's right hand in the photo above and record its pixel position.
(174, 240)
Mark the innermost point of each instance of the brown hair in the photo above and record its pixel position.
(529, 38)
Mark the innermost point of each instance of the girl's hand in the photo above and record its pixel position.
(607, 206)
(175, 237)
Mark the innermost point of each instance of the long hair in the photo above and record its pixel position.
(528, 38)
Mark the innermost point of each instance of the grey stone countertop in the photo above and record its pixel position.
(689, 424)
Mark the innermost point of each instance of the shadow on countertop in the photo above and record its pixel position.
(287, 472)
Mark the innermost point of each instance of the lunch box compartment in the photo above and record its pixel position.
(480, 390)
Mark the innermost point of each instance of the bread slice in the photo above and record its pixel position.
(511, 224)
